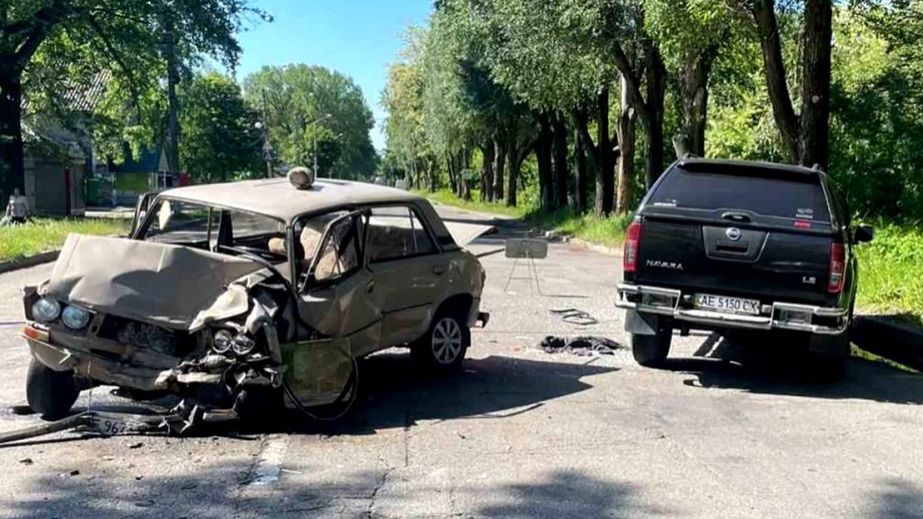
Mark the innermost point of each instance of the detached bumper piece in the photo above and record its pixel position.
(781, 316)
(176, 422)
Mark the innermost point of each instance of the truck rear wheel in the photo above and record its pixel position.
(830, 365)
(651, 350)
(50, 393)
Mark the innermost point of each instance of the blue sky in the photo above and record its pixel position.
(359, 38)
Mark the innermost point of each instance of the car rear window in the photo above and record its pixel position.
(768, 193)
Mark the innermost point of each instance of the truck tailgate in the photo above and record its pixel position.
(718, 258)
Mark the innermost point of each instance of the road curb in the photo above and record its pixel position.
(31, 261)
(899, 342)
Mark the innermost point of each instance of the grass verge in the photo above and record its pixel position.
(48, 234)
(596, 229)
(891, 273)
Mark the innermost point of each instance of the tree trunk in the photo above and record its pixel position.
(171, 143)
(815, 107)
(450, 169)
(12, 168)
(543, 157)
(581, 123)
(512, 178)
(488, 153)
(626, 131)
(580, 189)
(605, 165)
(655, 75)
(696, 69)
(774, 69)
(560, 159)
(498, 165)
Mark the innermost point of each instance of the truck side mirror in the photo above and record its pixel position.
(864, 234)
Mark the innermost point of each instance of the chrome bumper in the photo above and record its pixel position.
(778, 315)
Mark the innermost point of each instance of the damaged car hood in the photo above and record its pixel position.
(162, 284)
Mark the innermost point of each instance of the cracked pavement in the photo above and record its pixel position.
(722, 432)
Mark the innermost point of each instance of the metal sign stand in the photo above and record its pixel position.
(528, 250)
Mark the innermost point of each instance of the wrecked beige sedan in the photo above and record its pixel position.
(253, 295)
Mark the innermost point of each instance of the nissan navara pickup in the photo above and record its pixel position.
(745, 249)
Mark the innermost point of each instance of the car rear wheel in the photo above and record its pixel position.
(443, 348)
(651, 350)
(50, 393)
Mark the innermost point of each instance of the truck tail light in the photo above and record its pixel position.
(630, 253)
(837, 268)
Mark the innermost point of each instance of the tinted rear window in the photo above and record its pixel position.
(769, 194)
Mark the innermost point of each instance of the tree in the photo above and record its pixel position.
(402, 99)
(222, 138)
(691, 34)
(310, 106)
(805, 136)
(125, 31)
(543, 53)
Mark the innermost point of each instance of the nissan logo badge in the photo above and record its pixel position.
(733, 233)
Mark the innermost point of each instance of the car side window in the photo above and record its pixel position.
(396, 232)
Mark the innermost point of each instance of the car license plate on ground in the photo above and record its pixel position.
(728, 305)
(111, 426)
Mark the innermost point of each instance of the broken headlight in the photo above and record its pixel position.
(243, 344)
(46, 309)
(223, 341)
(75, 318)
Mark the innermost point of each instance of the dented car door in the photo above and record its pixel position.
(338, 294)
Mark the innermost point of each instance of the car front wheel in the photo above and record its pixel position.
(50, 393)
(443, 348)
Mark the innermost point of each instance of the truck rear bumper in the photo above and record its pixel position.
(778, 315)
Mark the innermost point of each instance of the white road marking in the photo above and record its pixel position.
(269, 465)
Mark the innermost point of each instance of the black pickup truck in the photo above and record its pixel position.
(745, 249)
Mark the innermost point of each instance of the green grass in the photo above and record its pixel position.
(605, 231)
(891, 272)
(447, 197)
(47, 234)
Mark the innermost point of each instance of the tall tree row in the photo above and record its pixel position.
(592, 100)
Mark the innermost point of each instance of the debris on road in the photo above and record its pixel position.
(179, 420)
(26, 461)
(575, 316)
(582, 346)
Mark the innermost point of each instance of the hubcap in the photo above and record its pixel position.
(447, 340)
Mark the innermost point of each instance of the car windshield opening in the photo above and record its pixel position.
(216, 229)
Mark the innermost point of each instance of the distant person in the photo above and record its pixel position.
(17, 210)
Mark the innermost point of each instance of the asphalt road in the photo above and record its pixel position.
(723, 432)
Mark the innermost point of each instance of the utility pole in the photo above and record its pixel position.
(171, 143)
(314, 138)
(264, 126)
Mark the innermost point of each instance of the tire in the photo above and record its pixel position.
(651, 351)
(50, 393)
(259, 404)
(831, 366)
(442, 349)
